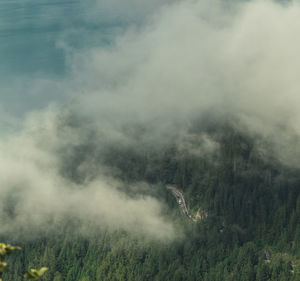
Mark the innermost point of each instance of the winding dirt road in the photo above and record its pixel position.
(180, 199)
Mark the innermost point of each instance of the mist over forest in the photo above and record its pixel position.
(104, 104)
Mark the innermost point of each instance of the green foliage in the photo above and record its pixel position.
(35, 274)
(5, 250)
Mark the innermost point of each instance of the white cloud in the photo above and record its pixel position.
(240, 59)
(36, 194)
(189, 59)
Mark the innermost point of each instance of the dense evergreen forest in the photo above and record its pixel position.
(251, 231)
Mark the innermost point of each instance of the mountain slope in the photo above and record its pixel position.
(251, 232)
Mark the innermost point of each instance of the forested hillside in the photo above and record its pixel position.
(150, 140)
(251, 232)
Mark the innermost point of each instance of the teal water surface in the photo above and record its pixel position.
(36, 37)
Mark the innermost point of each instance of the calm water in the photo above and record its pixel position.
(29, 32)
(34, 36)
